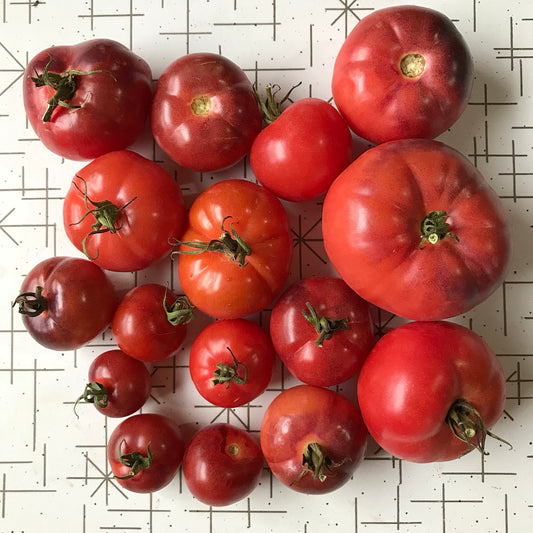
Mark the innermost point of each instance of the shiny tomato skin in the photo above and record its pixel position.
(370, 90)
(141, 327)
(295, 338)
(381, 200)
(126, 381)
(205, 114)
(136, 433)
(214, 282)
(113, 104)
(222, 464)
(214, 345)
(152, 211)
(411, 378)
(80, 302)
(306, 414)
(299, 155)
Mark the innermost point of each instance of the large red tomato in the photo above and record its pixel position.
(312, 438)
(431, 391)
(304, 148)
(403, 72)
(121, 211)
(87, 99)
(236, 251)
(414, 228)
(205, 114)
(65, 302)
(322, 330)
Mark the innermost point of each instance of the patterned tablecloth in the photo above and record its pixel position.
(53, 470)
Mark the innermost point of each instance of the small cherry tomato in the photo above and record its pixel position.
(118, 385)
(312, 438)
(65, 302)
(222, 464)
(150, 322)
(145, 452)
(231, 362)
(321, 330)
(205, 115)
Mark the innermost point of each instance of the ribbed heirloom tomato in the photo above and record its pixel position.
(431, 391)
(403, 72)
(87, 99)
(122, 209)
(235, 254)
(414, 228)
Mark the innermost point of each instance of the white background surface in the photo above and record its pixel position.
(53, 472)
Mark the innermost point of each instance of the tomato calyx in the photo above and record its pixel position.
(135, 460)
(65, 85)
(31, 304)
(180, 312)
(271, 108)
(324, 325)
(108, 217)
(317, 462)
(434, 228)
(226, 374)
(229, 243)
(93, 393)
(467, 425)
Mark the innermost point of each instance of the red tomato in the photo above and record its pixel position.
(150, 322)
(121, 211)
(145, 452)
(236, 252)
(312, 438)
(118, 384)
(222, 464)
(205, 115)
(430, 391)
(231, 362)
(428, 236)
(321, 330)
(403, 72)
(87, 99)
(305, 147)
(65, 302)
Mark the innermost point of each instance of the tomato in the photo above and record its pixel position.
(150, 322)
(312, 438)
(236, 251)
(87, 99)
(303, 149)
(118, 384)
(204, 114)
(145, 452)
(65, 302)
(231, 362)
(431, 391)
(403, 72)
(321, 330)
(222, 464)
(428, 236)
(121, 211)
